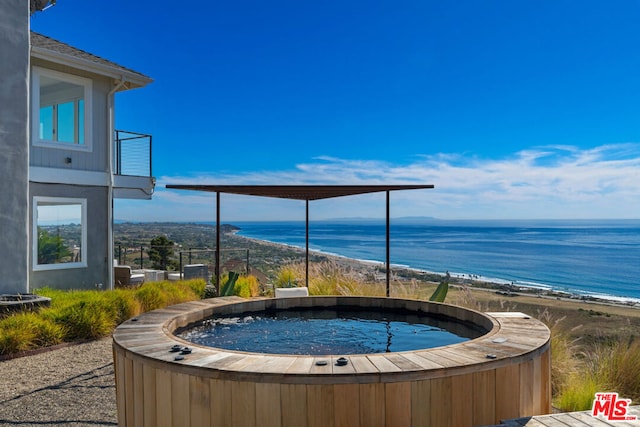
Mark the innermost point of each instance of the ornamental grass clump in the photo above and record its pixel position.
(26, 331)
(247, 287)
(82, 315)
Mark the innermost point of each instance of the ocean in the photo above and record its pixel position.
(582, 257)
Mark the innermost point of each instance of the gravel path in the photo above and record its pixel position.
(70, 386)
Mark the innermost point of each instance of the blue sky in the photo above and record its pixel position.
(512, 109)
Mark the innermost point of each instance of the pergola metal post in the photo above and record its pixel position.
(217, 243)
(306, 281)
(388, 260)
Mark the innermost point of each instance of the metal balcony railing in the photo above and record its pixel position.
(132, 153)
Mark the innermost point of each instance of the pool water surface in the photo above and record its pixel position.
(325, 332)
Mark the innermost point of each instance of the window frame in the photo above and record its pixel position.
(83, 245)
(87, 85)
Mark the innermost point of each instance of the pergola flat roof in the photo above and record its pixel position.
(299, 192)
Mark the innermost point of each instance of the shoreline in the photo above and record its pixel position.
(502, 287)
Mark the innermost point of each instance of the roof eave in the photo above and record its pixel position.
(133, 80)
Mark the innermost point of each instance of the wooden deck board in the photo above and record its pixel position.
(572, 419)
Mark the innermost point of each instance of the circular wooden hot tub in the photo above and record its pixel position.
(503, 374)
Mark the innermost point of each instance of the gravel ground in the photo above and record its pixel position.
(70, 386)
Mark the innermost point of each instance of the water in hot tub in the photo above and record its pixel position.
(324, 332)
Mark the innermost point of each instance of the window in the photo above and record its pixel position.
(61, 109)
(59, 233)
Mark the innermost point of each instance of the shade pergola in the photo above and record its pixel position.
(300, 192)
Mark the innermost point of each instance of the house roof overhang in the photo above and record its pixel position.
(49, 49)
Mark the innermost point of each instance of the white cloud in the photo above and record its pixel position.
(541, 182)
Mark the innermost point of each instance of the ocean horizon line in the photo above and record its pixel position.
(410, 220)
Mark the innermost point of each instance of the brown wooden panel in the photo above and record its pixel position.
(138, 393)
(536, 398)
(545, 401)
(294, 404)
(420, 403)
(268, 412)
(526, 388)
(346, 405)
(441, 399)
(462, 394)
(180, 406)
(129, 391)
(121, 400)
(484, 398)
(320, 407)
(372, 405)
(149, 387)
(220, 395)
(507, 392)
(163, 397)
(199, 399)
(398, 404)
(243, 403)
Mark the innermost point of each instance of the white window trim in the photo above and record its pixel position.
(83, 247)
(35, 109)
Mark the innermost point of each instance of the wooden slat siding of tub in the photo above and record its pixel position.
(346, 397)
(243, 403)
(320, 405)
(149, 407)
(526, 388)
(545, 378)
(420, 400)
(293, 405)
(398, 404)
(180, 400)
(220, 393)
(163, 398)
(268, 411)
(138, 392)
(462, 395)
(507, 392)
(200, 401)
(441, 401)
(372, 405)
(484, 397)
(121, 398)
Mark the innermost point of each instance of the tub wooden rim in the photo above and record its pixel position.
(513, 338)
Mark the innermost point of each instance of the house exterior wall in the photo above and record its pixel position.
(97, 158)
(98, 259)
(14, 145)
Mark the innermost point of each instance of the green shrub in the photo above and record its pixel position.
(25, 331)
(17, 333)
(287, 276)
(123, 303)
(578, 393)
(247, 286)
(616, 366)
(91, 318)
(197, 286)
(150, 297)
